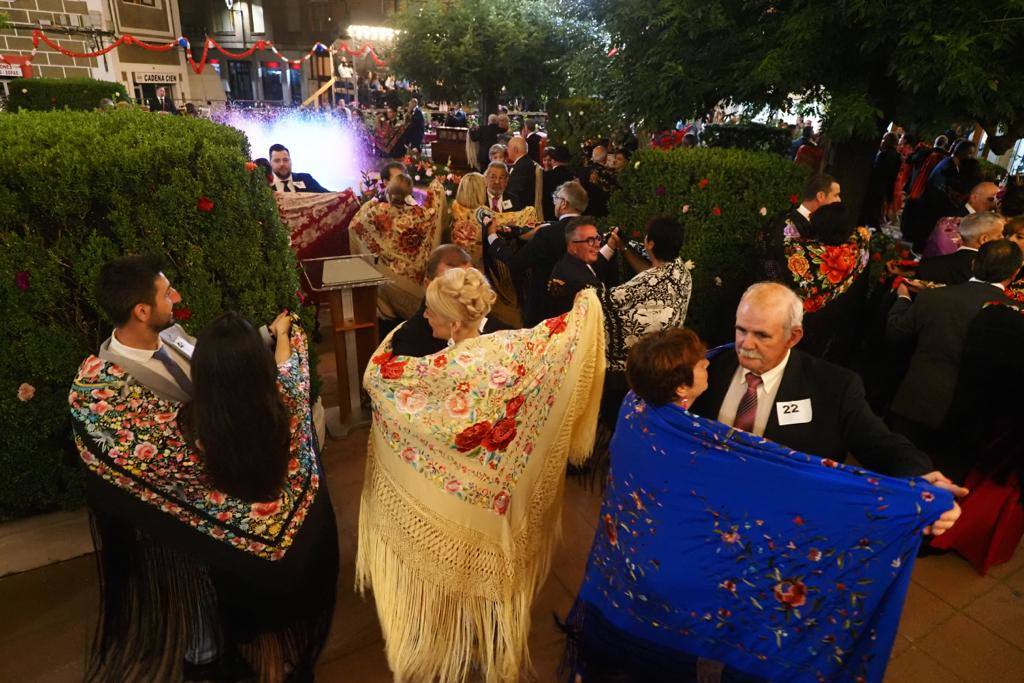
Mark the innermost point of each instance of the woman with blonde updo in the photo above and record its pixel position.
(470, 217)
(401, 234)
(457, 303)
(465, 474)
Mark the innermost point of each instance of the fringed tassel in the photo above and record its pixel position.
(585, 410)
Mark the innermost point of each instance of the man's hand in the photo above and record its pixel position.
(282, 325)
(614, 241)
(949, 517)
(902, 290)
(492, 225)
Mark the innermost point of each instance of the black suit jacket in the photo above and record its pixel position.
(553, 178)
(310, 182)
(414, 133)
(531, 265)
(533, 141)
(949, 269)
(167, 106)
(842, 421)
(570, 276)
(938, 321)
(486, 137)
(415, 338)
(522, 183)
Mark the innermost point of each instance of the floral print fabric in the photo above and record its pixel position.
(131, 439)
(820, 272)
(716, 543)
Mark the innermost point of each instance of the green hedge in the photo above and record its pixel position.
(78, 94)
(90, 187)
(752, 136)
(575, 122)
(728, 196)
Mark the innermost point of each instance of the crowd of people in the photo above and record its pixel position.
(514, 330)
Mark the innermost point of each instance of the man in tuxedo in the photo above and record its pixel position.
(556, 173)
(766, 387)
(820, 190)
(486, 137)
(161, 102)
(417, 125)
(937, 322)
(414, 337)
(956, 268)
(523, 176)
(585, 263)
(534, 139)
(286, 181)
(496, 178)
(532, 263)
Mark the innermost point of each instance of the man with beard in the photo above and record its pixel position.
(283, 179)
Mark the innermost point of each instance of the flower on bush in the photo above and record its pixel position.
(685, 208)
(205, 204)
(250, 165)
(21, 280)
(660, 190)
(717, 211)
(26, 392)
(763, 211)
(703, 183)
(182, 313)
(793, 199)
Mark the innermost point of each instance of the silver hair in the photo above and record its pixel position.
(976, 225)
(574, 194)
(785, 296)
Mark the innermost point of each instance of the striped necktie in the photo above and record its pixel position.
(747, 412)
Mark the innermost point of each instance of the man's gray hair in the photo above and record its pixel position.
(974, 226)
(497, 164)
(781, 296)
(574, 195)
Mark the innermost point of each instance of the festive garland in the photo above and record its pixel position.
(38, 36)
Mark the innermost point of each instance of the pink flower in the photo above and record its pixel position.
(26, 392)
(216, 497)
(500, 378)
(410, 454)
(457, 405)
(100, 407)
(21, 280)
(500, 502)
(260, 510)
(763, 211)
(685, 208)
(102, 393)
(145, 451)
(453, 486)
(91, 367)
(410, 401)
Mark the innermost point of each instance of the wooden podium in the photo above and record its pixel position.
(349, 285)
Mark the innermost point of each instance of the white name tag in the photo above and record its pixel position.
(184, 347)
(793, 412)
(507, 204)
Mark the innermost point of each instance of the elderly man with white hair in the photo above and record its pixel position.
(771, 389)
(956, 268)
(525, 177)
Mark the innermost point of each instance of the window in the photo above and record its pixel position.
(240, 80)
(273, 88)
(256, 16)
(144, 3)
(224, 21)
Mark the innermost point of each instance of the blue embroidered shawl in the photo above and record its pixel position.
(719, 544)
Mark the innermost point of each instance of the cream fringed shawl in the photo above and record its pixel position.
(461, 506)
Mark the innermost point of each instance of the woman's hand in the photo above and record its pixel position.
(282, 325)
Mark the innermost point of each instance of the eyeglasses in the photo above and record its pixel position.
(592, 241)
(557, 198)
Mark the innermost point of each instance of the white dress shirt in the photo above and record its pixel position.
(765, 395)
(804, 211)
(144, 357)
(289, 182)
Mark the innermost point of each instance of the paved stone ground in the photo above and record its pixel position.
(956, 626)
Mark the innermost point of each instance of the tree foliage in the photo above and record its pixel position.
(474, 48)
(868, 61)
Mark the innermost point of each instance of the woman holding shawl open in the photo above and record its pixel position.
(464, 479)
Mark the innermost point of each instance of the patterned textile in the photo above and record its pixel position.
(821, 272)
(944, 238)
(463, 489)
(469, 231)
(402, 238)
(131, 439)
(656, 299)
(720, 544)
(317, 223)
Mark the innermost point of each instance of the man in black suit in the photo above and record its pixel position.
(286, 181)
(531, 264)
(556, 173)
(957, 268)
(531, 129)
(417, 125)
(523, 175)
(937, 323)
(585, 263)
(161, 102)
(414, 337)
(768, 388)
(820, 190)
(485, 137)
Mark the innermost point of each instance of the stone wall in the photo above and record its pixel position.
(56, 14)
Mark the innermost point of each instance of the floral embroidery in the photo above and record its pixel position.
(821, 272)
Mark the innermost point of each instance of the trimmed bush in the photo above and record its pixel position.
(90, 187)
(78, 94)
(723, 198)
(575, 123)
(752, 136)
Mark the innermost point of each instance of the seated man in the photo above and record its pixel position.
(286, 181)
(937, 322)
(414, 337)
(585, 264)
(956, 268)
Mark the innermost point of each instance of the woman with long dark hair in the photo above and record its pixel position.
(216, 538)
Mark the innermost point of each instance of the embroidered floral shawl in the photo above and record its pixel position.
(655, 299)
(469, 232)
(463, 491)
(402, 238)
(720, 544)
(317, 222)
(821, 272)
(131, 439)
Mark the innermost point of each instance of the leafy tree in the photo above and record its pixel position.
(476, 48)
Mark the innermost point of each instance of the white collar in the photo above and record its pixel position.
(282, 181)
(804, 211)
(1000, 285)
(970, 209)
(769, 380)
(565, 216)
(966, 248)
(131, 353)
